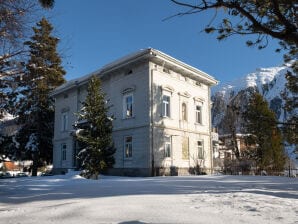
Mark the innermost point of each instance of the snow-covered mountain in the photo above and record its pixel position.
(270, 82)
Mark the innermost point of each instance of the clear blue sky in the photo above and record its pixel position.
(96, 32)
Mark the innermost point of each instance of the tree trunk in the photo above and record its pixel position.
(34, 170)
(94, 176)
(34, 165)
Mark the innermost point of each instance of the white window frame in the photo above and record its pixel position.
(64, 121)
(128, 110)
(200, 147)
(128, 147)
(63, 151)
(168, 149)
(166, 105)
(199, 113)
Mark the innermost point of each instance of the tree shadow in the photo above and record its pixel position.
(30, 189)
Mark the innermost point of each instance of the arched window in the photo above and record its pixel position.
(184, 112)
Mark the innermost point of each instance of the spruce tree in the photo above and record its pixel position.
(290, 128)
(261, 125)
(95, 132)
(35, 107)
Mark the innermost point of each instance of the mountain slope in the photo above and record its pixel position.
(270, 82)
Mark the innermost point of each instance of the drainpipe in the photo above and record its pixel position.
(151, 124)
(210, 130)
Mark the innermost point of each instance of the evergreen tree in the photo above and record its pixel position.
(6, 147)
(95, 132)
(261, 125)
(35, 107)
(290, 129)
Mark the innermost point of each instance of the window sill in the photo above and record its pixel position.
(128, 118)
(198, 124)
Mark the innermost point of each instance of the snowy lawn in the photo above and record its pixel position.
(193, 199)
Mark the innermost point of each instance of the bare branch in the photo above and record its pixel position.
(257, 21)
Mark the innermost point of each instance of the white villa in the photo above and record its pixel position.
(162, 110)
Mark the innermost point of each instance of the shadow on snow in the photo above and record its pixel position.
(22, 190)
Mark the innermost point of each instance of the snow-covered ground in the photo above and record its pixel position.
(193, 199)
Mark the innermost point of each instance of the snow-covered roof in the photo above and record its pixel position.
(149, 53)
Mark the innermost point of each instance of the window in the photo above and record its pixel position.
(198, 114)
(185, 148)
(200, 146)
(64, 121)
(128, 106)
(63, 151)
(168, 149)
(166, 112)
(128, 147)
(184, 112)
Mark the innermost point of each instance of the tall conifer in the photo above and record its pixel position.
(290, 129)
(95, 132)
(261, 125)
(35, 107)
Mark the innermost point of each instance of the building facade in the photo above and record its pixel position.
(162, 111)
